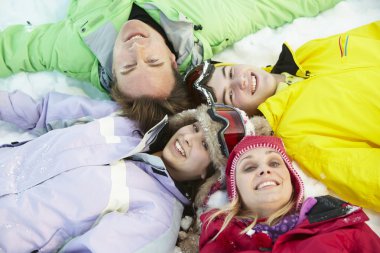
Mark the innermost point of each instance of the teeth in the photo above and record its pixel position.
(253, 87)
(264, 184)
(179, 148)
(136, 37)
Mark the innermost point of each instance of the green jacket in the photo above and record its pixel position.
(198, 29)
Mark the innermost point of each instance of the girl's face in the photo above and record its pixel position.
(263, 181)
(186, 154)
(242, 86)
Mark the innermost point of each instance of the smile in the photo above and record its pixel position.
(179, 148)
(135, 37)
(266, 184)
(253, 83)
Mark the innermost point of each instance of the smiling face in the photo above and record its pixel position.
(142, 62)
(263, 181)
(186, 156)
(242, 86)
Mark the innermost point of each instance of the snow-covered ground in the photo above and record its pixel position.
(261, 48)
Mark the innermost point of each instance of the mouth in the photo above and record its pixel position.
(179, 148)
(266, 185)
(253, 83)
(135, 37)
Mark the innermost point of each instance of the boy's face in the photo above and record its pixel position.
(242, 86)
(263, 181)
(142, 62)
(186, 155)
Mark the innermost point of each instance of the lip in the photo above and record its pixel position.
(178, 147)
(266, 187)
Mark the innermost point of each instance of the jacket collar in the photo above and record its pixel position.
(149, 138)
(285, 62)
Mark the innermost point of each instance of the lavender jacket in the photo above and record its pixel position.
(71, 190)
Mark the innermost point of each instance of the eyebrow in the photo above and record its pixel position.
(248, 156)
(271, 151)
(224, 71)
(127, 69)
(266, 152)
(224, 89)
(224, 96)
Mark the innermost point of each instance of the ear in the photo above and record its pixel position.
(174, 61)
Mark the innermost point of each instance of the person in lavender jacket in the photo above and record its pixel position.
(99, 186)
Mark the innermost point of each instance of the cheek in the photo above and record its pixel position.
(126, 85)
(201, 158)
(243, 185)
(117, 50)
(287, 189)
(247, 104)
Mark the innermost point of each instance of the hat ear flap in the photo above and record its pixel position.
(204, 191)
(182, 119)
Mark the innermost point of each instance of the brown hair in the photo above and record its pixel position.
(149, 111)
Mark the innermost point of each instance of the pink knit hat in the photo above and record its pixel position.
(252, 142)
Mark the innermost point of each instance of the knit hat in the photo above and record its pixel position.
(251, 142)
(211, 127)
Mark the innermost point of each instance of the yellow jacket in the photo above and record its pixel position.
(330, 122)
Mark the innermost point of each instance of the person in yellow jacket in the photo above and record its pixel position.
(324, 102)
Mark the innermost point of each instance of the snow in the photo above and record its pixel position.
(261, 48)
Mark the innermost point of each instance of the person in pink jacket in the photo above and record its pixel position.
(267, 210)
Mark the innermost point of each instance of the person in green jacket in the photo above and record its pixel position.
(137, 47)
(322, 100)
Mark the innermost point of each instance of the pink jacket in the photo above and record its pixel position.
(330, 226)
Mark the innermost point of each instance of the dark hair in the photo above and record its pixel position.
(149, 111)
(191, 189)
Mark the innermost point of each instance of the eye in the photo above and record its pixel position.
(153, 60)
(205, 145)
(250, 168)
(196, 128)
(274, 164)
(230, 95)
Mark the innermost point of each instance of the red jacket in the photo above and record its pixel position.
(331, 226)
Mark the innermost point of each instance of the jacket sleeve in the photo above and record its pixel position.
(46, 47)
(358, 238)
(346, 233)
(55, 110)
(127, 233)
(220, 25)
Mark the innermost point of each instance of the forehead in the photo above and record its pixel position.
(151, 82)
(190, 124)
(216, 83)
(257, 153)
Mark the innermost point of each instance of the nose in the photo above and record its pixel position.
(137, 48)
(191, 138)
(187, 138)
(264, 171)
(240, 82)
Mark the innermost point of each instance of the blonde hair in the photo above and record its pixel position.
(235, 209)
